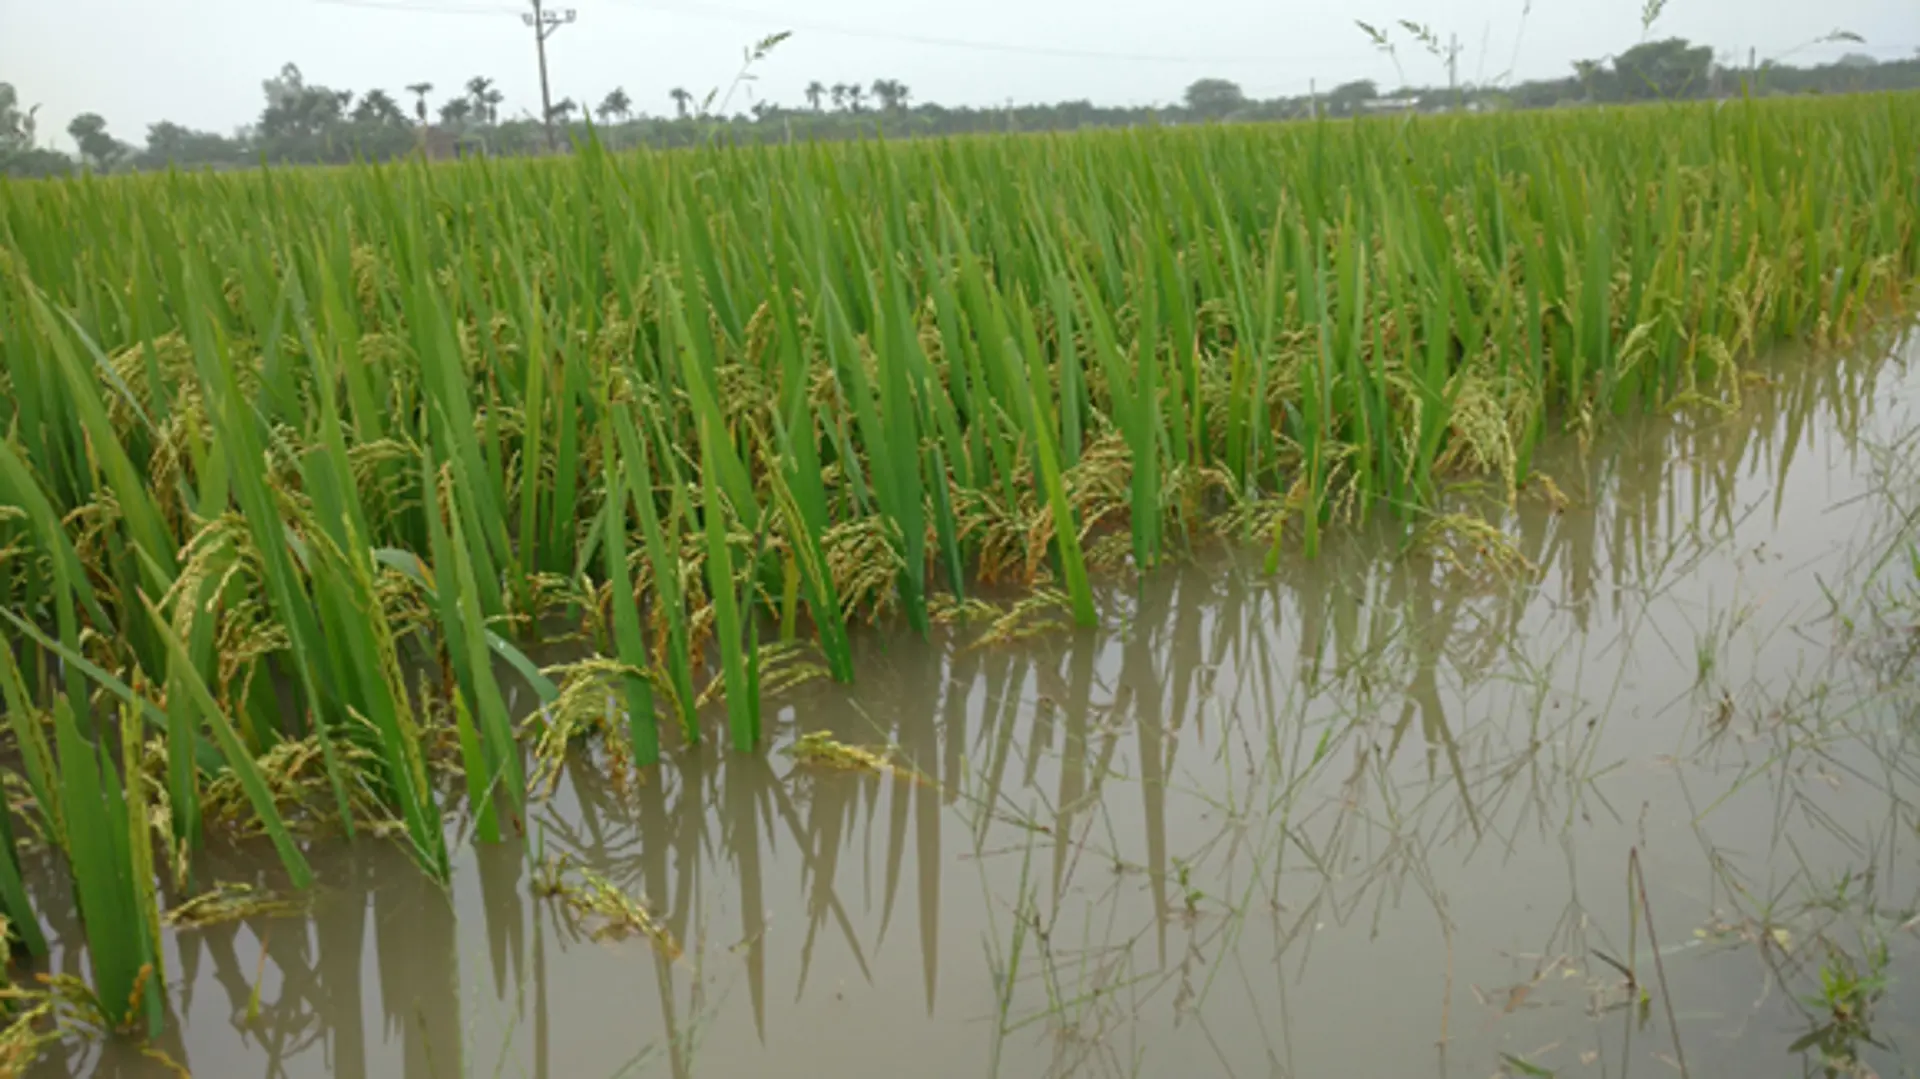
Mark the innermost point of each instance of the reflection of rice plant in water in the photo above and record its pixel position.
(307, 459)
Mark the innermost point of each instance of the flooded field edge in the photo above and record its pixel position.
(1626, 789)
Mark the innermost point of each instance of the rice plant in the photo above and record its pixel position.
(298, 465)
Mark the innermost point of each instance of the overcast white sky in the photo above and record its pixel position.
(201, 62)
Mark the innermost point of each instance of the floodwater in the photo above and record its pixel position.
(1370, 815)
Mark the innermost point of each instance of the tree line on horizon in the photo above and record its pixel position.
(303, 122)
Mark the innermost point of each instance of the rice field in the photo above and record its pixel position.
(302, 469)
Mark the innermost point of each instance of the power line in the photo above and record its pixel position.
(491, 11)
(768, 19)
(543, 22)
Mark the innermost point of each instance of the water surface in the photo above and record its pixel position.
(1366, 815)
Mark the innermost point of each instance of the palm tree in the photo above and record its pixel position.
(454, 113)
(615, 106)
(486, 99)
(856, 94)
(815, 92)
(893, 93)
(681, 99)
(420, 90)
(377, 107)
(562, 110)
(839, 95)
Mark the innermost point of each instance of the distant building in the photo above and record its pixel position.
(439, 143)
(1408, 103)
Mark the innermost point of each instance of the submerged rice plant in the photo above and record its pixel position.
(298, 467)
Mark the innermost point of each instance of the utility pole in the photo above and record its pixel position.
(1453, 69)
(545, 24)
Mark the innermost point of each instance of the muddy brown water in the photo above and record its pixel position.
(1365, 815)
